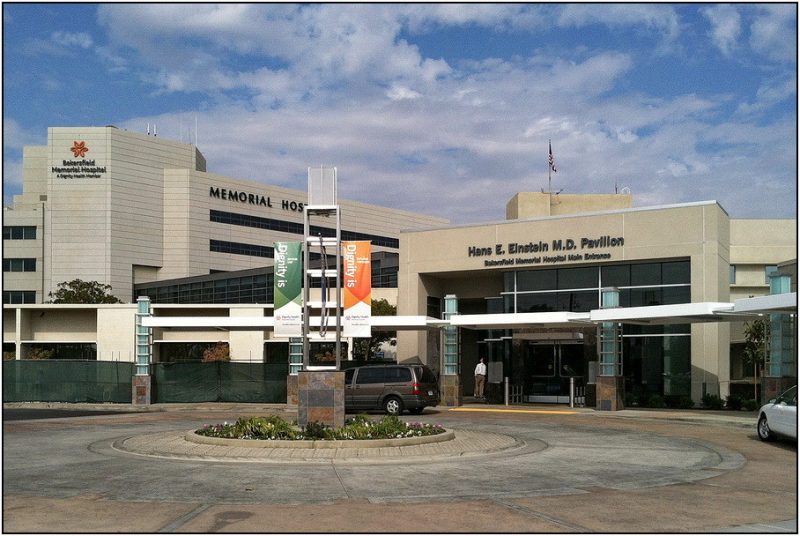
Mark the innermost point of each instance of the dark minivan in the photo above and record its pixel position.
(391, 388)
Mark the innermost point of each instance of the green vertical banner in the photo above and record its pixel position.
(288, 306)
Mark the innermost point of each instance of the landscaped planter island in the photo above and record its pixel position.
(358, 432)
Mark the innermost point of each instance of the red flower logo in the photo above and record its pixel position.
(79, 149)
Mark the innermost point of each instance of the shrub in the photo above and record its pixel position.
(359, 427)
(40, 353)
(734, 402)
(656, 401)
(712, 401)
(317, 430)
(9, 356)
(750, 404)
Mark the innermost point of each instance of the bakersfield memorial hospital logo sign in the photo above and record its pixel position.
(79, 149)
(78, 169)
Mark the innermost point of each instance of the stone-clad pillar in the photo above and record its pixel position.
(320, 397)
(610, 386)
(141, 381)
(450, 381)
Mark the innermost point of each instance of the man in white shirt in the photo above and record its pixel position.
(480, 378)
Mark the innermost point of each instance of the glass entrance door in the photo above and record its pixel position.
(549, 366)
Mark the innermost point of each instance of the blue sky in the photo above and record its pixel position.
(444, 109)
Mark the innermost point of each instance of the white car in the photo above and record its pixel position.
(779, 417)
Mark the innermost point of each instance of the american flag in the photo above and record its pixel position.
(552, 160)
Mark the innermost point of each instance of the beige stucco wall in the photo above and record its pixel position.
(437, 262)
(116, 333)
(538, 204)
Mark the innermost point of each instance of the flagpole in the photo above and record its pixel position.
(550, 173)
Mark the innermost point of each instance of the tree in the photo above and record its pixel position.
(79, 291)
(366, 347)
(756, 335)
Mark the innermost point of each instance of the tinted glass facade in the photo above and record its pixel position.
(657, 359)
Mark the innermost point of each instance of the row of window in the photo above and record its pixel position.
(579, 289)
(19, 296)
(593, 277)
(586, 300)
(240, 248)
(19, 232)
(248, 289)
(257, 222)
(19, 265)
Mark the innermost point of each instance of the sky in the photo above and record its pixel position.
(442, 109)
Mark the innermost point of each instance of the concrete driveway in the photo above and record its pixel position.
(560, 470)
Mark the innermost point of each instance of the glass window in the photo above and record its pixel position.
(536, 280)
(615, 276)
(19, 232)
(508, 281)
(768, 271)
(425, 375)
(543, 360)
(348, 376)
(19, 265)
(276, 352)
(732, 274)
(673, 273)
(641, 297)
(646, 274)
(672, 295)
(537, 303)
(578, 302)
(19, 296)
(584, 277)
(434, 307)
(397, 374)
(370, 375)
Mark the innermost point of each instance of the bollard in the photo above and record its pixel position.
(572, 391)
(505, 388)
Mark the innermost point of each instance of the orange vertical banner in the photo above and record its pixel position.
(357, 264)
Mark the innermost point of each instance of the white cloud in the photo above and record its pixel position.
(12, 179)
(67, 39)
(660, 18)
(16, 137)
(774, 32)
(402, 93)
(284, 87)
(771, 92)
(725, 26)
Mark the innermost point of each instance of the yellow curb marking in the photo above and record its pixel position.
(547, 411)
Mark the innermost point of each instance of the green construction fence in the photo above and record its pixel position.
(219, 381)
(66, 380)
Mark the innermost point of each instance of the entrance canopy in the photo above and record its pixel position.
(682, 313)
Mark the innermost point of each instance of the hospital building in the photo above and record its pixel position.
(142, 214)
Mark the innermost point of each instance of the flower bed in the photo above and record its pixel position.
(359, 427)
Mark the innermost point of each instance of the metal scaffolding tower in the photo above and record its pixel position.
(322, 203)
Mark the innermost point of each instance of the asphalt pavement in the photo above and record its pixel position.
(508, 469)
